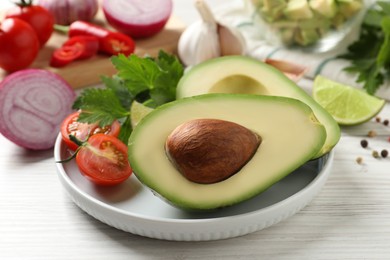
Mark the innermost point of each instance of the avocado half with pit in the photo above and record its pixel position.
(240, 74)
(216, 150)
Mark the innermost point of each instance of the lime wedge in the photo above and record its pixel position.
(348, 105)
(138, 111)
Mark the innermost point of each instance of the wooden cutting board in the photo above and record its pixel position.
(87, 72)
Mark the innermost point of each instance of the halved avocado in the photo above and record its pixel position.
(290, 136)
(240, 74)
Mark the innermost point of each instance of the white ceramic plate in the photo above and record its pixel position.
(132, 207)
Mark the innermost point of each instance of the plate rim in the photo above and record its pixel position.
(314, 186)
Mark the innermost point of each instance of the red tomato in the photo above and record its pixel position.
(37, 17)
(70, 126)
(103, 160)
(19, 44)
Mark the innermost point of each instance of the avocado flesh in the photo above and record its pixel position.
(252, 77)
(327, 8)
(290, 133)
(298, 9)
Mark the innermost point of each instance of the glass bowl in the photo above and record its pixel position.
(311, 25)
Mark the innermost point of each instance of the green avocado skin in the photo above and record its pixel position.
(277, 156)
(246, 75)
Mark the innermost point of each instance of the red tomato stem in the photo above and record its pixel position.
(24, 3)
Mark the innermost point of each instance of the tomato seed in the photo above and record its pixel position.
(375, 154)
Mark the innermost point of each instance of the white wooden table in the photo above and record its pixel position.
(348, 219)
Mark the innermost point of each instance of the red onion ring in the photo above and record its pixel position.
(33, 103)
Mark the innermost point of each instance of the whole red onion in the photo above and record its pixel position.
(67, 11)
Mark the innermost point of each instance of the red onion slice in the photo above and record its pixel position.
(33, 103)
(137, 18)
(67, 11)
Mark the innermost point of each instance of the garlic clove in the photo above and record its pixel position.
(207, 39)
(231, 41)
(198, 43)
(206, 14)
(293, 71)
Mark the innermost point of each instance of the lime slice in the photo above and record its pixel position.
(348, 105)
(138, 111)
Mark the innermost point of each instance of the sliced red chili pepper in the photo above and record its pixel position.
(85, 28)
(88, 44)
(115, 43)
(65, 55)
(109, 42)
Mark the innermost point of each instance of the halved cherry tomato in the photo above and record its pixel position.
(103, 160)
(70, 126)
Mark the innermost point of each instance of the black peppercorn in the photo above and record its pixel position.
(384, 153)
(364, 143)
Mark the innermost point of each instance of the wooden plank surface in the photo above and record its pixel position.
(87, 72)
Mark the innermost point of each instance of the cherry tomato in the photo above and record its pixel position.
(19, 44)
(70, 126)
(103, 160)
(37, 17)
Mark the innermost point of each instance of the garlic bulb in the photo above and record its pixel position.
(207, 39)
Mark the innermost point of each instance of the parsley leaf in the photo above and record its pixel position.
(99, 105)
(370, 54)
(137, 73)
(123, 94)
(151, 81)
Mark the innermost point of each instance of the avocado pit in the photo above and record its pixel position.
(210, 150)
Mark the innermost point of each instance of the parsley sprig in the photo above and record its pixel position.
(151, 81)
(370, 54)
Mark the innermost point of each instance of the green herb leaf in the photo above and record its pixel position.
(126, 130)
(137, 73)
(370, 54)
(165, 84)
(99, 106)
(384, 52)
(150, 81)
(120, 90)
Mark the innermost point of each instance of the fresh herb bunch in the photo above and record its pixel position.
(150, 81)
(370, 54)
